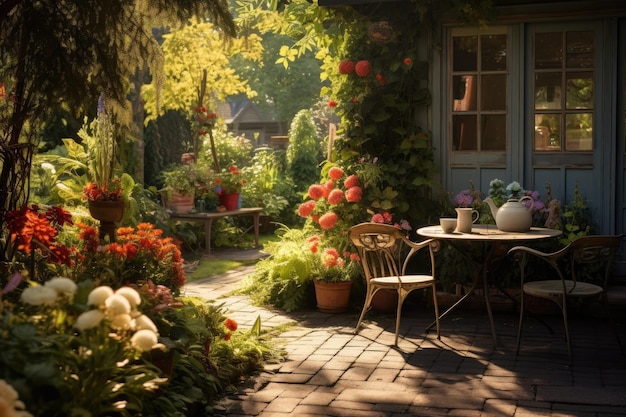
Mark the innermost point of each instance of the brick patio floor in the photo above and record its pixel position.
(329, 371)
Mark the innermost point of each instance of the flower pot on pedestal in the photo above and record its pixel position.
(332, 297)
(108, 212)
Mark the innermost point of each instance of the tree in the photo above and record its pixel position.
(198, 72)
(56, 53)
(304, 151)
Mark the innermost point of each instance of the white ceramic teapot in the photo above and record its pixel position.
(513, 216)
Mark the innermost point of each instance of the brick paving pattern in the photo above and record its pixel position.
(329, 371)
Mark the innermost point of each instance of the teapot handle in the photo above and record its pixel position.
(529, 198)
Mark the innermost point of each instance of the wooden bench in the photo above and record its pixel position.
(207, 219)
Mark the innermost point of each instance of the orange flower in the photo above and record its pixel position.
(354, 194)
(305, 209)
(328, 220)
(335, 196)
(335, 173)
(316, 191)
(351, 181)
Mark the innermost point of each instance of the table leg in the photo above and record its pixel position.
(257, 217)
(481, 273)
(208, 225)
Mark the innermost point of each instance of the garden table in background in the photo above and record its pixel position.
(208, 217)
(493, 241)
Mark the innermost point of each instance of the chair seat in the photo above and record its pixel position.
(554, 288)
(406, 280)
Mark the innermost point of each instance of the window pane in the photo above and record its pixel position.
(548, 90)
(579, 132)
(548, 50)
(579, 49)
(464, 53)
(493, 92)
(464, 133)
(547, 132)
(493, 53)
(579, 93)
(493, 132)
(464, 90)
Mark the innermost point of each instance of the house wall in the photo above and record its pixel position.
(598, 173)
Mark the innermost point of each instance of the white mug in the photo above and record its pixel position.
(465, 218)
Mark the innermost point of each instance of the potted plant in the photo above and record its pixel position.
(178, 190)
(229, 184)
(333, 275)
(104, 191)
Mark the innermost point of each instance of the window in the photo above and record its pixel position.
(479, 92)
(563, 67)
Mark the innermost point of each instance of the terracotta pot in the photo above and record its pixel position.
(230, 200)
(385, 301)
(178, 203)
(332, 297)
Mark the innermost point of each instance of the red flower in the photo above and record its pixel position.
(407, 61)
(332, 103)
(316, 191)
(335, 173)
(305, 209)
(351, 181)
(230, 324)
(381, 80)
(354, 194)
(355, 99)
(335, 196)
(346, 67)
(363, 68)
(227, 336)
(328, 220)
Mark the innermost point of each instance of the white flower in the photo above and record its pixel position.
(144, 340)
(131, 295)
(39, 295)
(47, 166)
(98, 296)
(62, 285)
(10, 406)
(117, 304)
(89, 319)
(144, 322)
(121, 321)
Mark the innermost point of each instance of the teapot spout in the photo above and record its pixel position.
(492, 206)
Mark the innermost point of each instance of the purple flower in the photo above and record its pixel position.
(463, 199)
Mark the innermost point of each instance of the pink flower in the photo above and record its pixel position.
(378, 218)
(346, 67)
(335, 173)
(306, 208)
(351, 181)
(354, 194)
(328, 220)
(363, 68)
(335, 196)
(316, 191)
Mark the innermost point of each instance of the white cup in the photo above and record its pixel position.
(448, 224)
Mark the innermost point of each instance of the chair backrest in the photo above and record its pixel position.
(591, 258)
(384, 249)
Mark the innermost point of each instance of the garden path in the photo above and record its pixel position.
(329, 371)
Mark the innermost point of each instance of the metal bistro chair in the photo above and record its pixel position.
(583, 269)
(385, 253)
